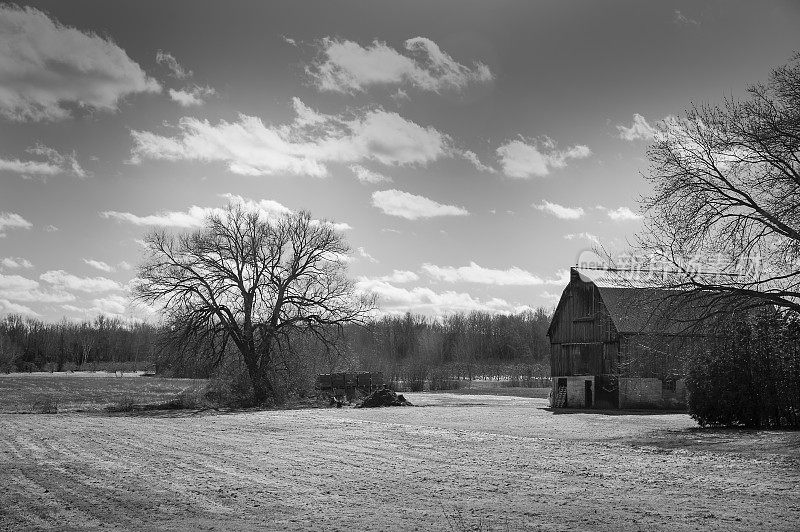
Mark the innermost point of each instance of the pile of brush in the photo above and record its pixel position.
(384, 397)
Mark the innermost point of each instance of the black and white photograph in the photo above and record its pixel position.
(420, 265)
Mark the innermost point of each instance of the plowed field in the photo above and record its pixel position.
(455, 462)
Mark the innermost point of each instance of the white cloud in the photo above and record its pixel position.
(399, 276)
(176, 70)
(73, 308)
(47, 68)
(191, 218)
(551, 297)
(51, 228)
(474, 273)
(16, 282)
(288, 40)
(55, 163)
(559, 211)
(393, 300)
(412, 207)
(525, 158)
(15, 262)
(7, 307)
(363, 254)
(100, 265)
(61, 280)
(347, 67)
(267, 208)
(303, 147)
(195, 216)
(113, 304)
(584, 236)
(640, 129)
(473, 158)
(621, 214)
(365, 175)
(190, 96)
(18, 288)
(11, 220)
(125, 266)
(28, 167)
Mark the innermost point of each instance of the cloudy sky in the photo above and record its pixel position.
(469, 150)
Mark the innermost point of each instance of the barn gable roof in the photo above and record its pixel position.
(650, 310)
(637, 303)
(640, 278)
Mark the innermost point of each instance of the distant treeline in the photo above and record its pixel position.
(28, 344)
(414, 349)
(407, 348)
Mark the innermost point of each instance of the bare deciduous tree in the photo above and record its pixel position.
(727, 193)
(9, 352)
(255, 283)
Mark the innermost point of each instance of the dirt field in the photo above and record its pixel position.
(502, 463)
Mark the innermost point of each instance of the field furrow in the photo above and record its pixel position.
(495, 462)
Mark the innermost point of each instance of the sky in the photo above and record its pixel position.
(471, 152)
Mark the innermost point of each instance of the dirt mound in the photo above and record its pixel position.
(384, 397)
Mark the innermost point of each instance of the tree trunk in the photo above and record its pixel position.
(263, 390)
(62, 353)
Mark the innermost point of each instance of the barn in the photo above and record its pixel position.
(618, 340)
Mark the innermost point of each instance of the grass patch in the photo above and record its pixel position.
(22, 393)
(191, 399)
(45, 404)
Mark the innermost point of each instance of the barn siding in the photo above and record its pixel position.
(582, 317)
(583, 338)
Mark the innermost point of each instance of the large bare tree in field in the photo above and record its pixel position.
(254, 282)
(727, 194)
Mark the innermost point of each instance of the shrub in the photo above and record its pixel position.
(192, 399)
(749, 375)
(230, 387)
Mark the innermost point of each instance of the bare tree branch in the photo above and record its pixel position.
(256, 283)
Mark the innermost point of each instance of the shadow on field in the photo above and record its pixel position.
(164, 414)
(611, 412)
(173, 409)
(752, 443)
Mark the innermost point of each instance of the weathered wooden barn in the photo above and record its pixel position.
(617, 340)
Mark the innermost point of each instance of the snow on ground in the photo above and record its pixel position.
(503, 463)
